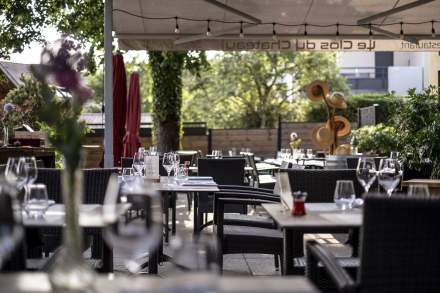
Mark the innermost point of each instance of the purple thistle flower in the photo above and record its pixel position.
(8, 107)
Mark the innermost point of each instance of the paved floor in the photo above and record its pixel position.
(237, 264)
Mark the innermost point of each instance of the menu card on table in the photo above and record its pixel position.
(151, 167)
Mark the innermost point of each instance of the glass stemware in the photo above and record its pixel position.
(366, 172)
(134, 221)
(344, 194)
(168, 163)
(12, 175)
(27, 168)
(390, 174)
(138, 163)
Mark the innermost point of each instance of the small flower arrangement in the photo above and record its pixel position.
(7, 123)
(295, 141)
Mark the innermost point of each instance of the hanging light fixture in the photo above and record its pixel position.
(274, 32)
(432, 29)
(305, 29)
(402, 35)
(241, 29)
(208, 29)
(370, 33)
(337, 31)
(177, 29)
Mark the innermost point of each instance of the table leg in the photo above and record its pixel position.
(287, 252)
(173, 213)
(195, 213)
(153, 260)
(166, 207)
(107, 258)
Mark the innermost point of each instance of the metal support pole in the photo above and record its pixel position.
(108, 83)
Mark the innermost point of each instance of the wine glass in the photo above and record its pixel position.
(176, 163)
(36, 202)
(366, 172)
(134, 221)
(11, 173)
(344, 194)
(390, 174)
(138, 163)
(168, 163)
(27, 168)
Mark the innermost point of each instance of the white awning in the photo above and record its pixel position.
(150, 24)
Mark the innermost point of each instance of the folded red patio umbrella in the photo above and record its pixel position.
(133, 117)
(119, 106)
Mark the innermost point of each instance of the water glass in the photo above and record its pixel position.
(344, 194)
(366, 172)
(394, 155)
(153, 150)
(309, 153)
(421, 190)
(36, 201)
(390, 174)
(127, 174)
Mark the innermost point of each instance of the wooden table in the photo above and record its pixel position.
(90, 216)
(39, 282)
(433, 184)
(320, 218)
(40, 153)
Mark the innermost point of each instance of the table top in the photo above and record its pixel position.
(430, 182)
(39, 282)
(163, 185)
(90, 216)
(319, 215)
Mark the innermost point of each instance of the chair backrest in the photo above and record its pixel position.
(225, 172)
(400, 242)
(51, 177)
(95, 184)
(320, 184)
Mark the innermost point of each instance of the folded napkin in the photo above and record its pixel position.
(198, 178)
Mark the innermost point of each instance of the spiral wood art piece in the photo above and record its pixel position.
(326, 136)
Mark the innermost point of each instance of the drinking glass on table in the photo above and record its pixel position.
(421, 190)
(12, 175)
(344, 194)
(176, 162)
(138, 163)
(309, 153)
(390, 174)
(134, 222)
(366, 172)
(36, 201)
(27, 168)
(168, 163)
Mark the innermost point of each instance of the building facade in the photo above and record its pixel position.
(390, 71)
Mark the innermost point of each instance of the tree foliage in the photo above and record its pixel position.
(22, 22)
(417, 122)
(252, 89)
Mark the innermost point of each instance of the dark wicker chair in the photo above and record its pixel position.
(399, 249)
(320, 184)
(260, 180)
(245, 236)
(224, 172)
(126, 162)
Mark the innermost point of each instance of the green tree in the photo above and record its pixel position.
(21, 23)
(252, 89)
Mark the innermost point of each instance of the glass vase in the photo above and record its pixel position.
(5, 136)
(70, 272)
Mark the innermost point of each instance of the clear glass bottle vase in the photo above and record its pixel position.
(70, 272)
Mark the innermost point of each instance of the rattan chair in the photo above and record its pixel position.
(399, 248)
(260, 180)
(224, 172)
(245, 236)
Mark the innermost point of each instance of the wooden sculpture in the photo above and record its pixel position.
(326, 136)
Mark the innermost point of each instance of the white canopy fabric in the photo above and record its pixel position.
(135, 29)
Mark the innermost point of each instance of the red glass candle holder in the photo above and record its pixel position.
(299, 208)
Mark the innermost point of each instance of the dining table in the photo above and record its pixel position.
(188, 282)
(319, 218)
(90, 217)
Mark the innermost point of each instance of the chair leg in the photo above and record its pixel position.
(277, 262)
(189, 199)
(173, 214)
(282, 269)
